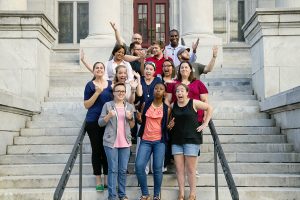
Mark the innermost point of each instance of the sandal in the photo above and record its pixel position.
(192, 197)
(145, 198)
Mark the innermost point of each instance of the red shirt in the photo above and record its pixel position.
(158, 63)
(195, 89)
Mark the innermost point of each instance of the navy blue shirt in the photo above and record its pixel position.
(94, 111)
(148, 90)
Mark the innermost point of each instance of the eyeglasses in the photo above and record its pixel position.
(120, 91)
(137, 38)
(167, 65)
(138, 49)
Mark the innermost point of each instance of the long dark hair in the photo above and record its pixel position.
(191, 77)
(94, 66)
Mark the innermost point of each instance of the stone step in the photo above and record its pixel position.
(49, 131)
(215, 103)
(205, 157)
(211, 98)
(249, 122)
(215, 90)
(206, 193)
(169, 180)
(224, 139)
(218, 122)
(233, 147)
(234, 97)
(237, 82)
(220, 131)
(63, 67)
(80, 116)
(203, 168)
(216, 75)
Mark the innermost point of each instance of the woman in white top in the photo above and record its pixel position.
(133, 87)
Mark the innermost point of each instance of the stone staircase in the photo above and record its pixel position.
(263, 164)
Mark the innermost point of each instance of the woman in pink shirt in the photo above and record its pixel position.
(117, 117)
(153, 134)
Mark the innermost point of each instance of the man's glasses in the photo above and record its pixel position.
(120, 91)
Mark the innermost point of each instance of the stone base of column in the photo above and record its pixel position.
(204, 50)
(98, 48)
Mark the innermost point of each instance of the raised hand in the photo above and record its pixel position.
(113, 25)
(82, 55)
(133, 84)
(195, 45)
(215, 51)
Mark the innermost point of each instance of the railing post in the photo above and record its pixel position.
(80, 171)
(216, 172)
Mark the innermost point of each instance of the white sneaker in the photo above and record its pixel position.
(197, 174)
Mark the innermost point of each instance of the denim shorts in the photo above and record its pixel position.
(186, 149)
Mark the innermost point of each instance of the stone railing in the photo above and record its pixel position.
(285, 109)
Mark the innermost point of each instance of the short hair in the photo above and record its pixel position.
(183, 85)
(161, 44)
(132, 45)
(173, 67)
(117, 48)
(118, 84)
(174, 30)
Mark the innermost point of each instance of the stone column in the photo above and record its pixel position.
(98, 45)
(13, 4)
(287, 3)
(197, 22)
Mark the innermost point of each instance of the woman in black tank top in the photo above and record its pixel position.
(186, 137)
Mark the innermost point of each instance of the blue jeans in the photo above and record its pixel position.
(117, 159)
(143, 156)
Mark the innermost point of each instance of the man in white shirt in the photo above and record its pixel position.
(172, 49)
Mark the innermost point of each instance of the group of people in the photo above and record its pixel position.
(159, 92)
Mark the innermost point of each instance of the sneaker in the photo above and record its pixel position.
(99, 188)
(197, 174)
(123, 198)
(156, 198)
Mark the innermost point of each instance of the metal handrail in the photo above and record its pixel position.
(218, 150)
(69, 166)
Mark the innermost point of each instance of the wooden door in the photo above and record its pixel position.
(151, 20)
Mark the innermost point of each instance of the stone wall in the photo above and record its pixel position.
(274, 37)
(26, 39)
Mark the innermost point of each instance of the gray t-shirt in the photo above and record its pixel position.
(198, 69)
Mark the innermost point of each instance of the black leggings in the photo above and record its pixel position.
(99, 160)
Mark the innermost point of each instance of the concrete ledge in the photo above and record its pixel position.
(19, 105)
(284, 101)
(285, 109)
